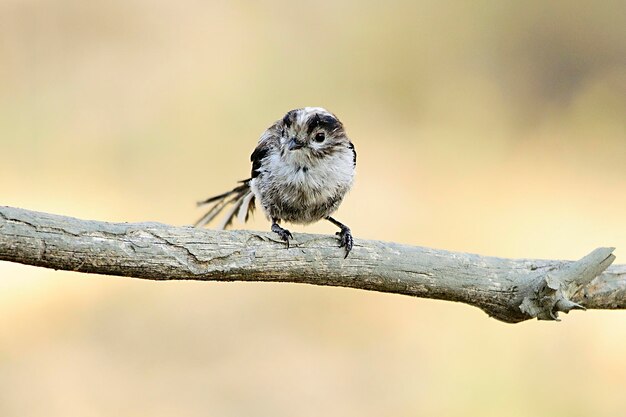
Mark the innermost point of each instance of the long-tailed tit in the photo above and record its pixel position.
(302, 168)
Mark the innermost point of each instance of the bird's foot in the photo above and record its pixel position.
(345, 239)
(284, 234)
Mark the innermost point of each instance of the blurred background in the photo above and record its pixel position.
(490, 127)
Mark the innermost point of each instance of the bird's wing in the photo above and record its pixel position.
(268, 142)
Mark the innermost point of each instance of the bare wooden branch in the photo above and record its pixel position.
(511, 290)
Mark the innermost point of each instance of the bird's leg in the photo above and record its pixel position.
(283, 233)
(345, 236)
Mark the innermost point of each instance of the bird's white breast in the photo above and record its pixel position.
(302, 189)
(319, 179)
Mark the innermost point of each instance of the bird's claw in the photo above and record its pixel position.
(284, 234)
(345, 240)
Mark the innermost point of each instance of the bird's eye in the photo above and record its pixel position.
(319, 137)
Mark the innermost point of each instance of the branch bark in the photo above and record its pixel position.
(510, 290)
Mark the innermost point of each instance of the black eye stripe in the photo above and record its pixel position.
(326, 122)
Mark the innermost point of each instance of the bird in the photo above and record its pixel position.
(302, 168)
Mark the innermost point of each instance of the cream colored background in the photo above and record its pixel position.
(489, 127)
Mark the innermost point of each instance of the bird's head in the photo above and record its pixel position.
(311, 132)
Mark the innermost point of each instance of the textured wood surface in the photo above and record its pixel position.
(510, 290)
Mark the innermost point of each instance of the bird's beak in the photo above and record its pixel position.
(294, 144)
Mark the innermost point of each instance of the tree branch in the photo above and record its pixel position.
(511, 290)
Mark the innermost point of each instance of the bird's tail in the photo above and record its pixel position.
(241, 200)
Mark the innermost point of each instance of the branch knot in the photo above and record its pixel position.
(551, 293)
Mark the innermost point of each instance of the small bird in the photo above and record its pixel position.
(302, 168)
